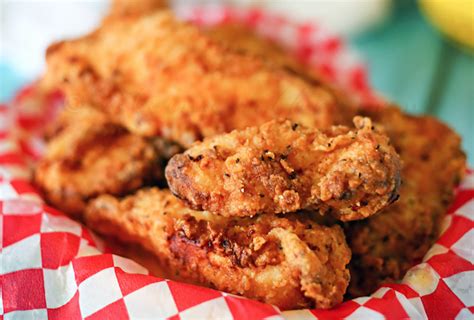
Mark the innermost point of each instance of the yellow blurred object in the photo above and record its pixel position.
(455, 18)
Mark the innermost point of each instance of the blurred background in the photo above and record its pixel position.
(419, 53)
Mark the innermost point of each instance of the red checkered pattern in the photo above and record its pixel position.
(53, 268)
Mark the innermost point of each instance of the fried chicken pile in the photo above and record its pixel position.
(159, 76)
(235, 166)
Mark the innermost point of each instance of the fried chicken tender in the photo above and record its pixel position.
(241, 39)
(291, 263)
(283, 167)
(88, 158)
(386, 245)
(247, 41)
(158, 76)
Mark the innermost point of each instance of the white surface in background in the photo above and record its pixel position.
(27, 27)
(344, 17)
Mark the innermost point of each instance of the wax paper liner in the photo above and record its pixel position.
(51, 267)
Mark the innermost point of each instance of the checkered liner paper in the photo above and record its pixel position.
(54, 268)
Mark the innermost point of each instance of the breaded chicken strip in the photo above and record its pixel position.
(283, 167)
(239, 38)
(247, 41)
(291, 263)
(386, 245)
(158, 76)
(85, 159)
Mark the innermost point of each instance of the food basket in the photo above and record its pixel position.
(54, 268)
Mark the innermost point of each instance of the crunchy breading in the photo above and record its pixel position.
(158, 76)
(283, 167)
(243, 39)
(120, 8)
(291, 263)
(71, 115)
(88, 158)
(386, 245)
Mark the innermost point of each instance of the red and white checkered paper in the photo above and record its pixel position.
(51, 267)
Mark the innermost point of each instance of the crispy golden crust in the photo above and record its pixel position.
(158, 76)
(71, 115)
(245, 40)
(386, 245)
(242, 39)
(283, 167)
(289, 262)
(120, 8)
(88, 158)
